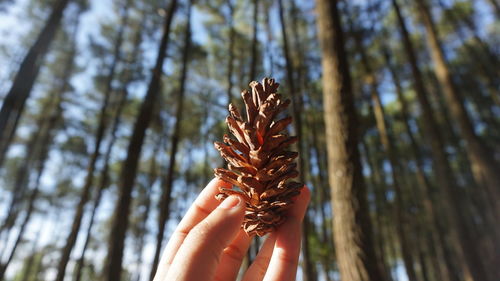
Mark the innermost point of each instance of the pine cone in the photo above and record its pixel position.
(258, 162)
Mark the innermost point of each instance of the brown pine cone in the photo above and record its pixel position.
(258, 162)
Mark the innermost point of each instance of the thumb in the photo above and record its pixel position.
(200, 253)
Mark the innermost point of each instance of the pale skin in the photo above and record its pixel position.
(209, 244)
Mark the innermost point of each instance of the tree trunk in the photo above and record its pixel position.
(486, 58)
(22, 174)
(424, 185)
(308, 267)
(298, 54)
(31, 201)
(379, 188)
(496, 6)
(391, 152)
(176, 135)
(42, 153)
(113, 263)
(470, 260)
(352, 227)
(422, 239)
(255, 41)
(10, 132)
(20, 90)
(20, 183)
(421, 254)
(207, 169)
(103, 122)
(270, 39)
(103, 184)
(477, 204)
(152, 177)
(484, 167)
(28, 266)
(38, 141)
(230, 60)
(321, 184)
(81, 261)
(104, 177)
(391, 245)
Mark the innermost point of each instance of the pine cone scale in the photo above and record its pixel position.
(258, 162)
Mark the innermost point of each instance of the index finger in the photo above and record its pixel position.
(204, 204)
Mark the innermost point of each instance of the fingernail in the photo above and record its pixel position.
(230, 202)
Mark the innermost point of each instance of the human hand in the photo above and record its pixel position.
(209, 244)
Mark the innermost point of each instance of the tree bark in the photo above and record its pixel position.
(164, 204)
(20, 90)
(470, 259)
(352, 227)
(113, 263)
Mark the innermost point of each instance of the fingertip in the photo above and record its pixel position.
(299, 206)
(217, 183)
(228, 215)
(306, 193)
(207, 196)
(232, 202)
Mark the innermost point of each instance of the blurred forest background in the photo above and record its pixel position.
(110, 110)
